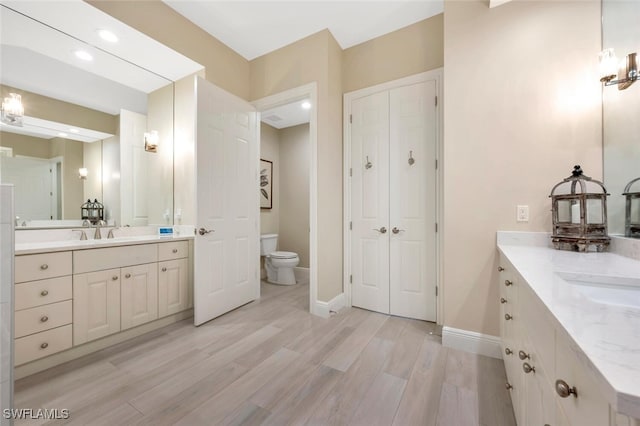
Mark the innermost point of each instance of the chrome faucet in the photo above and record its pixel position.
(110, 235)
(98, 235)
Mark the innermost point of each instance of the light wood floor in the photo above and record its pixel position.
(271, 362)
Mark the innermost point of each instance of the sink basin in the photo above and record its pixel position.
(607, 289)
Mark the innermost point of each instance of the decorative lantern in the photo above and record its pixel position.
(632, 210)
(579, 209)
(92, 211)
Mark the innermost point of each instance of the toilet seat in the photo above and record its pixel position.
(283, 255)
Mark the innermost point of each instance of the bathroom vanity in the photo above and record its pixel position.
(76, 297)
(570, 328)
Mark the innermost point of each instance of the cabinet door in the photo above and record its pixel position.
(538, 398)
(139, 295)
(173, 291)
(96, 305)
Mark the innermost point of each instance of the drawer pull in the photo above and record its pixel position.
(508, 351)
(523, 355)
(564, 390)
(508, 317)
(500, 269)
(44, 318)
(128, 276)
(508, 386)
(174, 250)
(45, 345)
(528, 368)
(44, 293)
(508, 283)
(164, 269)
(44, 267)
(114, 278)
(503, 300)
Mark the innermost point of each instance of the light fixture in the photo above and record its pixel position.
(306, 105)
(62, 134)
(72, 130)
(85, 56)
(107, 35)
(82, 173)
(12, 110)
(610, 68)
(151, 141)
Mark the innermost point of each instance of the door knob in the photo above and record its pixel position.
(203, 231)
(382, 230)
(395, 230)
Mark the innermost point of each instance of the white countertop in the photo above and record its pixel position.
(607, 335)
(65, 245)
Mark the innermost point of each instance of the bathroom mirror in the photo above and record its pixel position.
(100, 125)
(621, 109)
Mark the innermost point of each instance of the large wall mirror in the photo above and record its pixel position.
(97, 124)
(621, 112)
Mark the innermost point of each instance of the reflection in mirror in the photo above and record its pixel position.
(82, 114)
(621, 109)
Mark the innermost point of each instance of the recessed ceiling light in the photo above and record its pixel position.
(72, 130)
(85, 56)
(107, 35)
(62, 135)
(306, 105)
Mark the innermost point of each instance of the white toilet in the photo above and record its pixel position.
(279, 264)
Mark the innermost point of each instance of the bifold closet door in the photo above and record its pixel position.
(370, 202)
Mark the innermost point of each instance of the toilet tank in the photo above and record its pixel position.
(268, 243)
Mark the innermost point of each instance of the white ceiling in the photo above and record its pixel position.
(287, 115)
(255, 28)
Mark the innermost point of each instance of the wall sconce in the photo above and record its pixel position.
(610, 68)
(82, 173)
(151, 141)
(12, 110)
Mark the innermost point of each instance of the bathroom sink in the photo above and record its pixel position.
(607, 289)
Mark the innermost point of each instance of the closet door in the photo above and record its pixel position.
(412, 201)
(370, 202)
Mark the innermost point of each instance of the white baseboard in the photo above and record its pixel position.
(470, 341)
(301, 274)
(324, 309)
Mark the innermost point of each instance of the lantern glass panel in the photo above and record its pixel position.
(635, 210)
(564, 211)
(595, 212)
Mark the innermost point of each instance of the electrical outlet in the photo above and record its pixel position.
(522, 213)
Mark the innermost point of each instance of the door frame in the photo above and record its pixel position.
(309, 91)
(437, 75)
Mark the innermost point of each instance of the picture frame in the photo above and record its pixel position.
(266, 184)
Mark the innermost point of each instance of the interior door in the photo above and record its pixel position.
(370, 202)
(227, 247)
(412, 196)
(32, 179)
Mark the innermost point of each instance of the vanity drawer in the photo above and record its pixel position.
(43, 344)
(113, 257)
(43, 292)
(32, 267)
(173, 250)
(35, 320)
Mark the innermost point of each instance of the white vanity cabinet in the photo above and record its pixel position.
(173, 276)
(96, 305)
(138, 295)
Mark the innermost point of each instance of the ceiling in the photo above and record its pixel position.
(287, 115)
(255, 28)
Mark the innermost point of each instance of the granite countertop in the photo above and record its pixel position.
(607, 334)
(65, 245)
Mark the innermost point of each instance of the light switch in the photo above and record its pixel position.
(522, 214)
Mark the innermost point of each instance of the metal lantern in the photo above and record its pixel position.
(92, 211)
(632, 210)
(579, 209)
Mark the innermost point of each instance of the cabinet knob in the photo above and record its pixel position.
(44, 318)
(508, 351)
(528, 368)
(45, 345)
(44, 293)
(503, 300)
(508, 317)
(164, 269)
(508, 386)
(114, 278)
(500, 269)
(174, 250)
(508, 283)
(564, 390)
(523, 355)
(127, 276)
(44, 267)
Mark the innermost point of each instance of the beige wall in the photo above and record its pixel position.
(270, 150)
(223, 66)
(517, 118)
(294, 192)
(407, 51)
(184, 152)
(28, 146)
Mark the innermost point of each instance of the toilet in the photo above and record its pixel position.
(279, 264)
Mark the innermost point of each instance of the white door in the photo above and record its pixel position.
(227, 247)
(393, 201)
(33, 181)
(412, 196)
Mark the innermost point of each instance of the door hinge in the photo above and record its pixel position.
(436, 101)
(350, 118)
(350, 226)
(436, 163)
(436, 227)
(350, 172)
(436, 290)
(350, 279)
